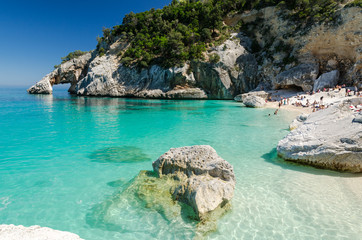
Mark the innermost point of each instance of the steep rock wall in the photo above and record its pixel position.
(233, 74)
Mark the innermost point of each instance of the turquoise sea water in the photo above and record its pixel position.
(61, 157)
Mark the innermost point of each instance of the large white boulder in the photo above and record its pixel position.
(12, 232)
(262, 94)
(326, 80)
(206, 181)
(254, 101)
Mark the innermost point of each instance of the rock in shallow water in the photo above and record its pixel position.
(328, 139)
(188, 184)
(12, 232)
(205, 180)
(254, 102)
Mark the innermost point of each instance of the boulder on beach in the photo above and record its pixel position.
(12, 232)
(254, 101)
(262, 94)
(330, 139)
(326, 80)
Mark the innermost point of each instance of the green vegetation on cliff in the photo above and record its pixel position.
(355, 3)
(183, 30)
(70, 56)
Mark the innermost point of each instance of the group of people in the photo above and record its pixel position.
(313, 102)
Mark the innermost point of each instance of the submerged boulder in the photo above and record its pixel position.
(330, 139)
(205, 180)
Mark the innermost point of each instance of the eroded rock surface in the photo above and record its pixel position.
(190, 184)
(298, 121)
(69, 72)
(262, 94)
(254, 101)
(330, 139)
(233, 74)
(12, 232)
(302, 76)
(326, 80)
(205, 180)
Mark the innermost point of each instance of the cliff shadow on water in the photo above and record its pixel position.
(273, 158)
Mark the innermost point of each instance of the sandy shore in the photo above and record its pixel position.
(302, 102)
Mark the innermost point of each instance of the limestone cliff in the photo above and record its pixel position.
(271, 51)
(106, 76)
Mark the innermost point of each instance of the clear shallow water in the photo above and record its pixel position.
(61, 157)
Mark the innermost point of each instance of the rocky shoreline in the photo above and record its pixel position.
(296, 73)
(328, 139)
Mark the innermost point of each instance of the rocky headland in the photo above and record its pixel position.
(329, 139)
(271, 51)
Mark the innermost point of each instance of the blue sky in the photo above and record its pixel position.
(34, 35)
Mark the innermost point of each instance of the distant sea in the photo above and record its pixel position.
(62, 157)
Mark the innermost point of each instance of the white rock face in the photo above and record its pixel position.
(235, 73)
(302, 76)
(12, 232)
(330, 139)
(95, 75)
(42, 87)
(206, 180)
(298, 121)
(68, 72)
(262, 94)
(254, 101)
(326, 80)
